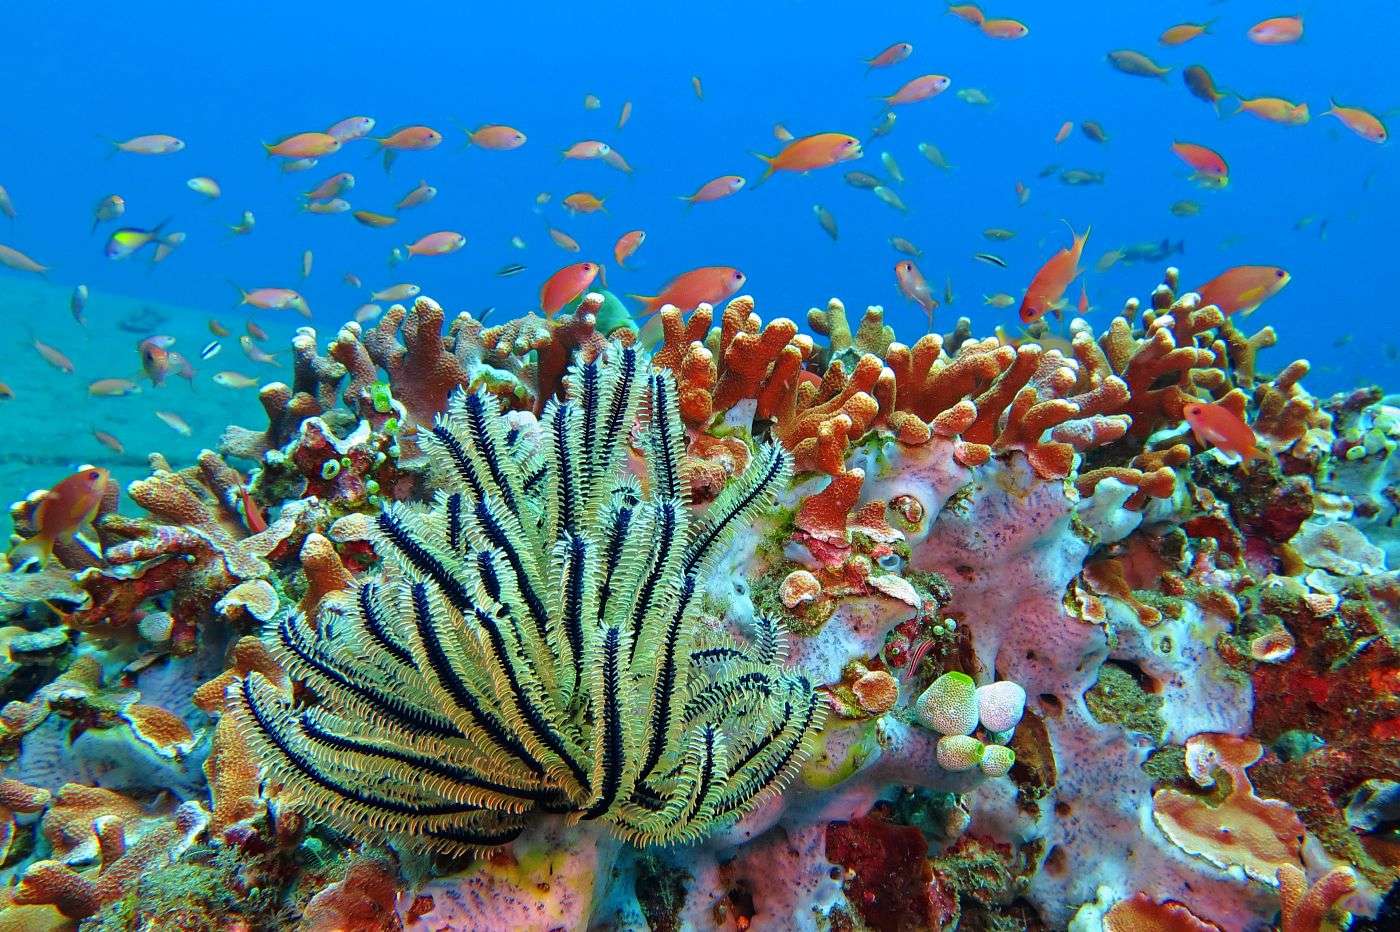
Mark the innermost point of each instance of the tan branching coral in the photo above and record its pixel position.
(872, 337)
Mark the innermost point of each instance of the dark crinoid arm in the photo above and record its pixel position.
(534, 643)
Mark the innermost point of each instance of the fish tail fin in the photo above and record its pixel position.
(242, 295)
(649, 302)
(36, 549)
(768, 162)
(389, 156)
(266, 148)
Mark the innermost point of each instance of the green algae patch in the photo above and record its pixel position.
(1118, 699)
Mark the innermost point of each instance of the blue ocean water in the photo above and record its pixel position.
(223, 79)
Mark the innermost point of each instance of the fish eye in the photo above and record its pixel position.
(93, 475)
(1278, 273)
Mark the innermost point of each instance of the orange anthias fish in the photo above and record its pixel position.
(304, 146)
(1218, 426)
(819, 151)
(1005, 29)
(587, 149)
(565, 285)
(723, 186)
(626, 245)
(920, 88)
(275, 299)
(1361, 122)
(891, 56)
(711, 284)
(1277, 30)
(411, 138)
(967, 12)
(496, 136)
(584, 202)
(915, 287)
(1063, 132)
(437, 244)
(1207, 163)
(67, 509)
(1049, 284)
(1275, 110)
(334, 186)
(1183, 33)
(1243, 288)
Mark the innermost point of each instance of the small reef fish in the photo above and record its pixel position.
(565, 285)
(990, 259)
(175, 422)
(1048, 285)
(711, 285)
(367, 312)
(924, 87)
(496, 136)
(1150, 252)
(781, 133)
(583, 202)
(274, 299)
(1023, 194)
(352, 280)
(587, 149)
(1108, 260)
(254, 331)
(862, 180)
(245, 224)
(563, 240)
(889, 197)
(206, 186)
(975, 96)
(167, 244)
(892, 167)
(1185, 208)
(418, 196)
(77, 303)
(299, 165)
(999, 300)
(210, 350)
(351, 129)
(1137, 64)
(697, 87)
(14, 259)
(934, 155)
(1205, 162)
(153, 144)
(1243, 288)
(1217, 426)
(625, 114)
(826, 221)
(627, 244)
(66, 511)
(217, 328)
(1275, 110)
(7, 206)
(1277, 30)
(255, 352)
(613, 159)
(396, 293)
(437, 244)
(1083, 306)
(891, 56)
(1094, 131)
(336, 205)
(721, 187)
(1202, 86)
(967, 12)
(591, 102)
(231, 379)
(155, 358)
(306, 260)
(884, 127)
(998, 234)
(901, 244)
(303, 146)
(128, 241)
(109, 208)
(1080, 176)
(514, 268)
(113, 388)
(407, 139)
(109, 441)
(374, 220)
(1183, 33)
(1361, 122)
(1063, 132)
(1005, 29)
(915, 287)
(334, 186)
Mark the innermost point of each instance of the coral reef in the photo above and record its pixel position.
(524, 626)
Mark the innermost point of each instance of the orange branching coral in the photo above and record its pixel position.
(1304, 907)
(1241, 829)
(315, 381)
(324, 571)
(1151, 473)
(1106, 576)
(420, 369)
(363, 901)
(1285, 412)
(829, 415)
(928, 382)
(872, 337)
(17, 797)
(1141, 913)
(1244, 350)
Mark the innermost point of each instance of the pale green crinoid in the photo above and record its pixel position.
(536, 645)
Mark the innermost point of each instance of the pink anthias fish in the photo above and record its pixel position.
(334, 186)
(920, 88)
(437, 244)
(891, 56)
(352, 128)
(275, 299)
(153, 144)
(723, 186)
